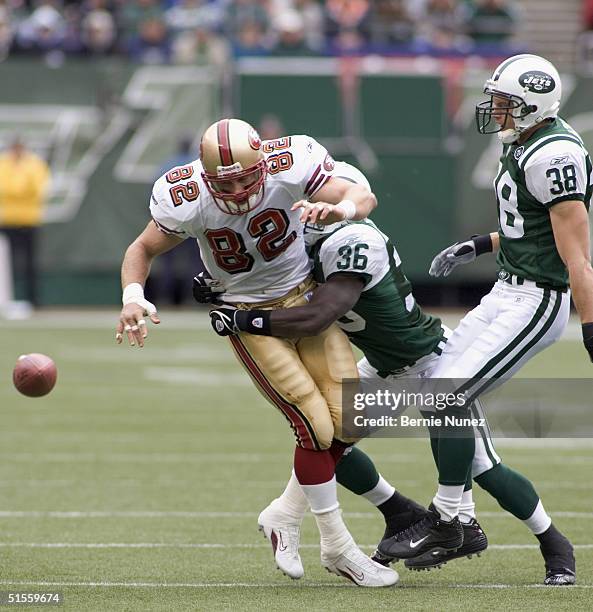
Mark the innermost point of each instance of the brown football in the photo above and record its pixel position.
(34, 375)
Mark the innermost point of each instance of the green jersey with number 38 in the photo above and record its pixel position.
(551, 166)
(386, 324)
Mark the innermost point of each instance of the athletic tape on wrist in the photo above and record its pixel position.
(349, 208)
(132, 292)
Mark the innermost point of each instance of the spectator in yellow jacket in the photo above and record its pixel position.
(24, 179)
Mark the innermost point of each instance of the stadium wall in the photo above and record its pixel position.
(108, 128)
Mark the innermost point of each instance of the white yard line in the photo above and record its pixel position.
(195, 376)
(203, 545)
(190, 514)
(144, 457)
(290, 585)
(174, 319)
(189, 320)
(185, 353)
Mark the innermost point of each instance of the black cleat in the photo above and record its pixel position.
(429, 535)
(558, 555)
(397, 523)
(474, 542)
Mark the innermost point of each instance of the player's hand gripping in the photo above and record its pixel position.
(132, 322)
(223, 321)
(320, 212)
(206, 289)
(460, 253)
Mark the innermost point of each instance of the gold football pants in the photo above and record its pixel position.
(300, 376)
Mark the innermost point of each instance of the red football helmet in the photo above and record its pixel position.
(234, 165)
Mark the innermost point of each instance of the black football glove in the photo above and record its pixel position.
(588, 338)
(207, 290)
(223, 322)
(227, 320)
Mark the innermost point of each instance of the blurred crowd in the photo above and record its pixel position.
(198, 31)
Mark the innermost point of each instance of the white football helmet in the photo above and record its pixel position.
(532, 86)
(234, 165)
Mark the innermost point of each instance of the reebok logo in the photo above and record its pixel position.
(417, 543)
(559, 160)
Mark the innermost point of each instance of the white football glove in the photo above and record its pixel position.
(458, 253)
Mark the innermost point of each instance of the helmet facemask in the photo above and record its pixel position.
(516, 109)
(222, 186)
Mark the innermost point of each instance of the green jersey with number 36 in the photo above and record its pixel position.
(386, 323)
(551, 166)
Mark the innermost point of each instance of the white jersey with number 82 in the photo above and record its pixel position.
(260, 255)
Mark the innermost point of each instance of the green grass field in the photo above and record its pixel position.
(136, 485)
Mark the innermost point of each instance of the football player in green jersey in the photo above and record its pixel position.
(366, 291)
(543, 189)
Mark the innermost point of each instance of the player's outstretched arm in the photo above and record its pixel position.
(134, 272)
(463, 253)
(329, 302)
(570, 223)
(338, 200)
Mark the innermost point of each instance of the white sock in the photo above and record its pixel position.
(293, 501)
(335, 537)
(467, 508)
(539, 521)
(380, 493)
(322, 497)
(447, 500)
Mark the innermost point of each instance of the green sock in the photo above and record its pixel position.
(512, 490)
(455, 457)
(356, 472)
(469, 483)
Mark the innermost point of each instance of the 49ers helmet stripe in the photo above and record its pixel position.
(234, 166)
(303, 430)
(224, 143)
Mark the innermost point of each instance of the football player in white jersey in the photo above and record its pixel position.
(245, 202)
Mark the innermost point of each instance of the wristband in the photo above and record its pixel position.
(349, 208)
(483, 243)
(255, 322)
(132, 292)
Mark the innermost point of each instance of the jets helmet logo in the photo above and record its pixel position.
(537, 81)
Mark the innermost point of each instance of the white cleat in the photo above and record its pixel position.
(360, 569)
(284, 537)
